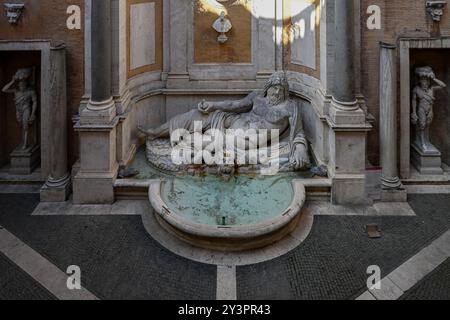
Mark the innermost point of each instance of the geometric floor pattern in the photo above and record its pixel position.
(119, 260)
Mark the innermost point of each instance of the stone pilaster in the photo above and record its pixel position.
(392, 189)
(94, 182)
(267, 46)
(179, 10)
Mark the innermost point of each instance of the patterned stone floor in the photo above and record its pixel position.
(332, 262)
(17, 285)
(436, 286)
(119, 260)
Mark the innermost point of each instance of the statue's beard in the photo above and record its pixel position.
(274, 100)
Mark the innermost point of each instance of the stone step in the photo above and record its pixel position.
(132, 189)
(17, 188)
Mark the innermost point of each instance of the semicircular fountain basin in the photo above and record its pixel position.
(241, 214)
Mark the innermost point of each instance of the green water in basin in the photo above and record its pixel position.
(211, 200)
(242, 200)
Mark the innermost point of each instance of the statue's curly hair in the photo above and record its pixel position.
(425, 72)
(24, 74)
(278, 78)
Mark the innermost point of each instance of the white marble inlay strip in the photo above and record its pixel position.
(226, 283)
(412, 271)
(119, 208)
(39, 268)
(420, 189)
(322, 208)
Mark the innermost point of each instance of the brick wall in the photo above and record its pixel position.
(400, 19)
(46, 19)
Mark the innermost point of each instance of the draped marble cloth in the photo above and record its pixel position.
(288, 140)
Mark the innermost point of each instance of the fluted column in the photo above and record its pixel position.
(388, 116)
(392, 189)
(57, 186)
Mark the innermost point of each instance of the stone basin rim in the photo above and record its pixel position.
(267, 227)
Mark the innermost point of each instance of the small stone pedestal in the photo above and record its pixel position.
(427, 162)
(394, 195)
(24, 162)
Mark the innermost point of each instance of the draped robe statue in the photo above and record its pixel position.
(269, 110)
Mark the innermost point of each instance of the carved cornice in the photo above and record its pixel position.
(436, 9)
(13, 11)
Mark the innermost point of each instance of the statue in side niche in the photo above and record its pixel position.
(222, 26)
(25, 99)
(269, 110)
(423, 99)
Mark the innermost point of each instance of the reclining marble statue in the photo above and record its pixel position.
(268, 110)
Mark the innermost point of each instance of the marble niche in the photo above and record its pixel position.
(19, 109)
(430, 115)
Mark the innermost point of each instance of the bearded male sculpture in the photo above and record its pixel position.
(269, 110)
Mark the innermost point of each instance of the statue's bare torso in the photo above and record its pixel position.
(263, 117)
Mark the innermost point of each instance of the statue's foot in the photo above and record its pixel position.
(430, 147)
(144, 133)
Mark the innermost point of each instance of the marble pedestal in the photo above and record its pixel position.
(24, 162)
(394, 195)
(427, 162)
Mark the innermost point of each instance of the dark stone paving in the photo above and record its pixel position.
(436, 286)
(120, 261)
(117, 258)
(332, 262)
(17, 285)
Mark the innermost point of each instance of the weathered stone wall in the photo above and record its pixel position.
(46, 19)
(400, 19)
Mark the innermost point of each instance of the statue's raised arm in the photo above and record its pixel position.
(9, 88)
(439, 84)
(238, 106)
